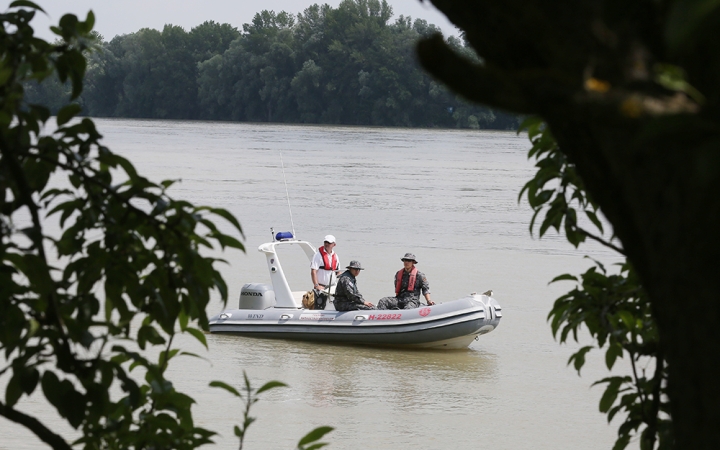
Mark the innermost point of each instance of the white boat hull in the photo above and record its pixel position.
(450, 325)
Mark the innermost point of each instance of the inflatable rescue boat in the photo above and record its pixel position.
(275, 311)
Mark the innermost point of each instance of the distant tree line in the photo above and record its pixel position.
(344, 65)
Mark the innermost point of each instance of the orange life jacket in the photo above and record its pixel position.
(411, 281)
(327, 265)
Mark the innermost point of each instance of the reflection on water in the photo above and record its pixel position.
(375, 397)
(340, 375)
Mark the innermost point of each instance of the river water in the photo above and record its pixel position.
(450, 197)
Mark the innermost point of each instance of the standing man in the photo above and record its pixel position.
(347, 297)
(324, 265)
(409, 282)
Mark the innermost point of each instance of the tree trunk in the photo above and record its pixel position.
(648, 153)
(663, 203)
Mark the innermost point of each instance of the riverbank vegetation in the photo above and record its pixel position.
(352, 65)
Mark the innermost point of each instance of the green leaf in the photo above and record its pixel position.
(89, 22)
(167, 183)
(199, 335)
(166, 356)
(531, 122)
(25, 4)
(13, 391)
(610, 395)
(183, 319)
(554, 216)
(193, 355)
(229, 241)
(116, 160)
(540, 198)
(35, 269)
(72, 63)
(52, 388)
(627, 318)
(67, 113)
(613, 352)
(148, 333)
(565, 276)
(315, 435)
(271, 385)
(227, 216)
(578, 358)
(227, 387)
(5, 75)
(622, 442)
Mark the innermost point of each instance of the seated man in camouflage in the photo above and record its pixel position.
(347, 297)
(409, 282)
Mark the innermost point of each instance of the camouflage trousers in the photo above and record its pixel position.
(396, 303)
(349, 306)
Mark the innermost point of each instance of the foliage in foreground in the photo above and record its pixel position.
(97, 265)
(613, 308)
(249, 396)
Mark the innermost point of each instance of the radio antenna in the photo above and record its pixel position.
(287, 194)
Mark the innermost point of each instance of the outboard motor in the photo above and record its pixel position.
(256, 296)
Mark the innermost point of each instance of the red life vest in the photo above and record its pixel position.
(327, 265)
(411, 281)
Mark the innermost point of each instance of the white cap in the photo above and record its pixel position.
(329, 238)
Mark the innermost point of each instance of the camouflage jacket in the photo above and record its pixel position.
(346, 290)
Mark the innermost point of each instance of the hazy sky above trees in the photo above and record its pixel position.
(127, 16)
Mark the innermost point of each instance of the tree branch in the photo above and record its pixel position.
(34, 425)
(474, 82)
(655, 404)
(601, 240)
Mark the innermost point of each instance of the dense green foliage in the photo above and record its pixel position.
(344, 65)
(97, 265)
(613, 308)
